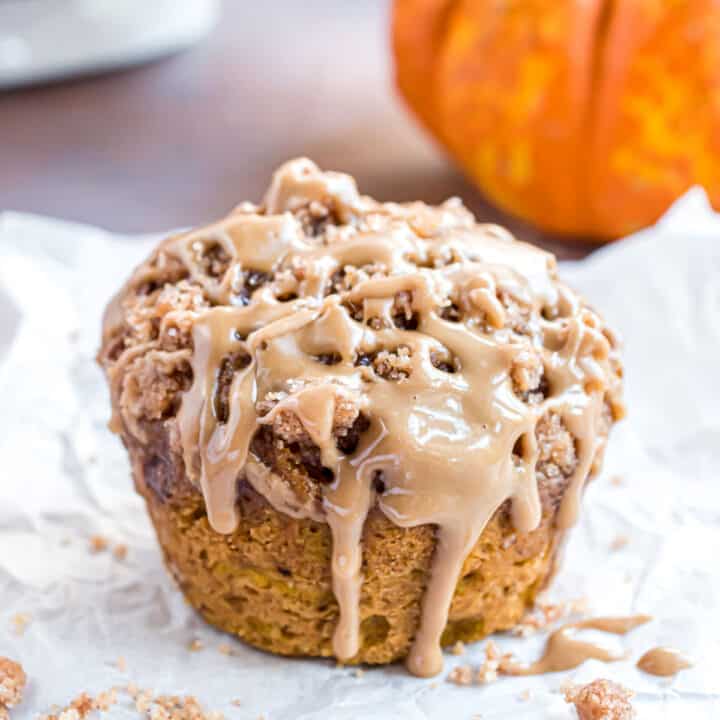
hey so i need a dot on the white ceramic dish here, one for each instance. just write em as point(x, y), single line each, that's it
point(42, 40)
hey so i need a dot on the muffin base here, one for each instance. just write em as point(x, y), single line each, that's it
point(269, 582)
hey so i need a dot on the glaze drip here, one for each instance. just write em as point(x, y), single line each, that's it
point(565, 651)
point(664, 662)
point(451, 340)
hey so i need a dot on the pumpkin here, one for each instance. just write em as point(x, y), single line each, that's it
point(585, 117)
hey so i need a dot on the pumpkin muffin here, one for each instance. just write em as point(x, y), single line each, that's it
point(361, 429)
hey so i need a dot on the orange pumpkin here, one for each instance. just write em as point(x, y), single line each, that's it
point(585, 117)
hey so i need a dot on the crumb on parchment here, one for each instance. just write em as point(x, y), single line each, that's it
point(174, 707)
point(545, 614)
point(12, 684)
point(486, 673)
point(601, 700)
point(619, 542)
point(98, 544)
point(20, 621)
point(148, 705)
point(83, 706)
point(120, 551)
point(461, 675)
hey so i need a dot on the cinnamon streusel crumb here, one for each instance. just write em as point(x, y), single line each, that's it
point(12, 684)
point(545, 614)
point(461, 675)
point(83, 705)
point(20, 621)
point(98, 544)
point(488, 671)
point(458, 648)
point(601, 700)
point(120, 551)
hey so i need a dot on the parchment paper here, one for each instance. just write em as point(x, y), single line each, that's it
point(64, 478)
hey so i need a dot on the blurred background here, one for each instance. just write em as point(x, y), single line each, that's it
point(585, 118)
point(180, 140)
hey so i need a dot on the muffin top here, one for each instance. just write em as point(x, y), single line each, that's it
point(405, 356)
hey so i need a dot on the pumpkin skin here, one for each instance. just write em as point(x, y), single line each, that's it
point(585, 117)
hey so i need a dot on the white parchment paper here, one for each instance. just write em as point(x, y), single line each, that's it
point(64, 478)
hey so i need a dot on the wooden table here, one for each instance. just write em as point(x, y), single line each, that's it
point(180, 141)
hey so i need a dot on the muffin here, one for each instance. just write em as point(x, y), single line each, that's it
point(361, 429)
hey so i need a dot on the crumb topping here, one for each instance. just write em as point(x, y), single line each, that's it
point(545, 614)
point(487, 672)
point(98, 544)
point(148, 337)
point(601, 700)
point(12, 684)
point(558, 456)
point(146, 703)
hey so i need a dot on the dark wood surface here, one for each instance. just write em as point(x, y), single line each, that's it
point(180, 141)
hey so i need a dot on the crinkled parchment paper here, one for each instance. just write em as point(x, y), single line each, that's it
point(65, 478)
